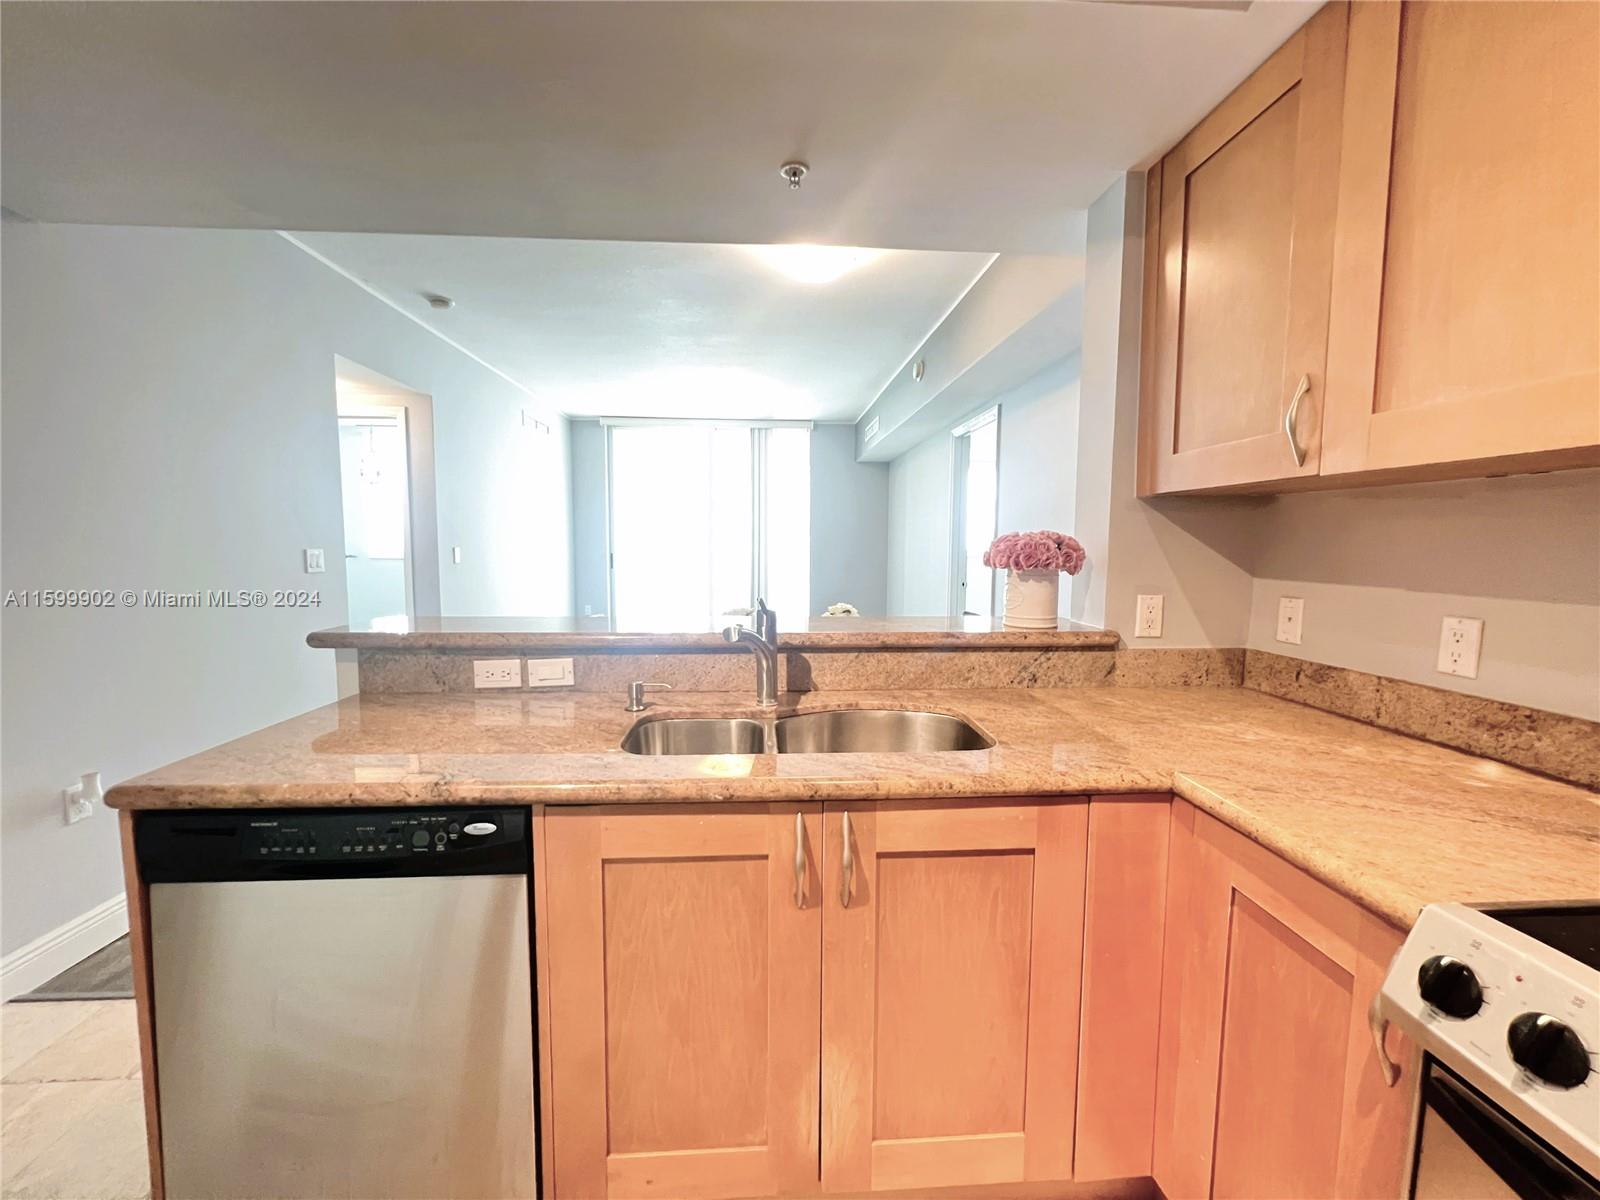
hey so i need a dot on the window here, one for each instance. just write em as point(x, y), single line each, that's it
point(705, 518)
point(973, 520)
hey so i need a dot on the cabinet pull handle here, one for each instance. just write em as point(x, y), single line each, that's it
point(1288, 420)
point(847, 863)
point(1379, 1025)
point(799, 860)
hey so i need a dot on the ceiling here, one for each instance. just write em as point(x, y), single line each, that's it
point(955, 126)
point(663, 329)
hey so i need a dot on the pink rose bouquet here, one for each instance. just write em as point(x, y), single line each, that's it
point(1041, 550)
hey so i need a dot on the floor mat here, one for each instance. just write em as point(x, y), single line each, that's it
point(107, 974)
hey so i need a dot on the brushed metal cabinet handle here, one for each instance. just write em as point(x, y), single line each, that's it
point(1379, 1026)
point(847, 863)
point(1288, 420)
point(799, 860)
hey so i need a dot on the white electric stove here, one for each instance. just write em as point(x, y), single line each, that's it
point(1504, 1002)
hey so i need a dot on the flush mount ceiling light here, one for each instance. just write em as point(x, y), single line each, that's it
point(815, 264)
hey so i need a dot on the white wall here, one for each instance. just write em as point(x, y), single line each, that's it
point(849, 524)
point(919, 529)
point(1380, 568)
point(169, 423)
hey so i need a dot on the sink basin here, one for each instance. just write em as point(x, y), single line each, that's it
point(696, 735)
point(839, 731)
point(876, 731)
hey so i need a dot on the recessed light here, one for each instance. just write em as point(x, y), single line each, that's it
point(437, 301)
point(815, 264)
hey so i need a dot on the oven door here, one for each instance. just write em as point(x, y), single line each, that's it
point(1467, 1149)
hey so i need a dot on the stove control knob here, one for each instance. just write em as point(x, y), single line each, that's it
point(1449, 985)
point(1543, 1046)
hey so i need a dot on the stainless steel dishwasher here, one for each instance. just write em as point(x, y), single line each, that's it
point(343, 1002)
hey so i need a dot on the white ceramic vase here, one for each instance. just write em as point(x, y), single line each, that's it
point(1032, 598)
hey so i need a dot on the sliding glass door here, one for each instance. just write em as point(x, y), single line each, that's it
point(704, 518)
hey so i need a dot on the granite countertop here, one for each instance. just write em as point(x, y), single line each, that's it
point(1392, 822)
point(501, 634)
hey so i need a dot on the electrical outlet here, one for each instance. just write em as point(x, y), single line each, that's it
point(550, 672)
point(78, 801)
point(1460, 643)
point(315, 565)
point(1148, 622)
point(1291, 617)
point(496, 672)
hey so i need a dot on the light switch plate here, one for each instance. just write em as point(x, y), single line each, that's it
point(1148, 621)
point(1291, 618)
point(455, 555)
point(496, 672)
point(1460, 643)
point(550, 672)
point(315, 563)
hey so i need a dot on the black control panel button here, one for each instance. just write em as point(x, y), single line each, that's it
point(1548, 1049)
point(1450, 986)
point(419, 839)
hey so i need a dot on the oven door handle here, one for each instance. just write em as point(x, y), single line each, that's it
point(1379, 1024)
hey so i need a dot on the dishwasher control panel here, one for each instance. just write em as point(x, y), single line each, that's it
point(359, 834)
point(296, 843)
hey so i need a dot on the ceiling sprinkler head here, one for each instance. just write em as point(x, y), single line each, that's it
point(437, 301)
point(794, 172)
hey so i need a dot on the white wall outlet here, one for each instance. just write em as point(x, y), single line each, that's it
point(455, 555)
point(550, 672)
point(315, 564)
point(1291, 618)
point(78, 801)
point(1148, 623)
point(496, 672)
point(1460, 642)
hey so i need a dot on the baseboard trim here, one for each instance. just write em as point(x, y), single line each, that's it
point(47, 956)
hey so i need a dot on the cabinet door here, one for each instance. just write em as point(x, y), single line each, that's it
point(684, 980)
point(1124, 917)
point(951, 957)
point(1270, 1084)
point(1466, 305)
point(1243, 226)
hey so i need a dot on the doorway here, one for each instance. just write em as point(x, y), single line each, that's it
point(975, 504)
point(376, 489)
point(386, 479)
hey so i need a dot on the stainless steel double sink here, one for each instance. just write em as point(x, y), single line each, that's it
point(837, 731)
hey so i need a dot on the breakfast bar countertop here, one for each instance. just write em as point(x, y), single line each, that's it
point(592, 634)
point(1390, 821)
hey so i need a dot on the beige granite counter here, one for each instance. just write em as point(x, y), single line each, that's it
point(595, 635)
point(1393, 822)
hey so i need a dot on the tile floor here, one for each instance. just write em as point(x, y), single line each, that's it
point(71, 1102)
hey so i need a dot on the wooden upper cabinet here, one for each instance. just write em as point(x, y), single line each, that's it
point(1466, 303)
point(952, 947)
point(1269, 1081)
point(685, 985)
point(1241, 219)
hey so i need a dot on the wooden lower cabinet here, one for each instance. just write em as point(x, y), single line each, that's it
point(902, 1018)
point(842, 999)
point(684, 960)
point(951, 952)
point(1269, 1083)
